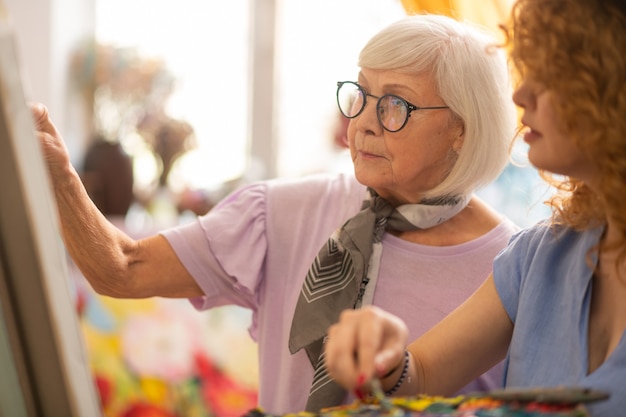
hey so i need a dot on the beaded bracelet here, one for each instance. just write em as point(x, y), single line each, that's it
point(405, 371)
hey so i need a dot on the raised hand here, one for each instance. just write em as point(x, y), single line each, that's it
point(54, 150)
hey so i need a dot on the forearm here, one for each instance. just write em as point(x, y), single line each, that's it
point(464, 345)
point(101, 251)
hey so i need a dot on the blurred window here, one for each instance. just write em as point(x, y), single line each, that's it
point(206, 46)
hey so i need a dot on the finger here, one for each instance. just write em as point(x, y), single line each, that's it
point(393, 343)
point(341, 350)
point(41, 119)
point(370, 340)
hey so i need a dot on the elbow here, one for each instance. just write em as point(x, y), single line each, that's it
point(117, 285)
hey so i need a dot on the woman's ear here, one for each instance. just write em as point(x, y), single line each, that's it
point(459, 139)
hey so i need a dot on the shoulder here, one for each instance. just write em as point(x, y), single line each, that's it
point(546, 249)
point(316, 201)
point(316, 189)
point(317, 183)
point(555, 238)
point(533, 235)
point(297, 189)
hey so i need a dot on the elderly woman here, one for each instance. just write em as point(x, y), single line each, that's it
point(431, 121)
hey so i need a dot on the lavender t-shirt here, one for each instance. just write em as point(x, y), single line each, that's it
point(255, 247)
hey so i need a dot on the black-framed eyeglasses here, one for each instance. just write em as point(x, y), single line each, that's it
point(393, 111)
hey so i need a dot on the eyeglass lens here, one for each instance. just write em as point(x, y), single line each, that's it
point(392, 111)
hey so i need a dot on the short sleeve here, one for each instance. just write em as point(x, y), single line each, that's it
point(528, 250)
point(507, 273)
point(225, 249)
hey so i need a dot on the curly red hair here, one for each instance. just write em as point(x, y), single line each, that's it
point(577, 49)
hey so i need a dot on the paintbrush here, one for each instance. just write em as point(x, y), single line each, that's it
point(377, 392)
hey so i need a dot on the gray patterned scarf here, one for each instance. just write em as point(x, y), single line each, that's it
point(344, 276)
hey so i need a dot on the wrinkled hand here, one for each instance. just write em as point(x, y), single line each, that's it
point(54, 150)
point(365, 343)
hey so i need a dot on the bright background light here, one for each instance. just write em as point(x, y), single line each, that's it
point(206, 46)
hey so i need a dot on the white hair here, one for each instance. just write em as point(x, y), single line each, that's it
point(471, 76)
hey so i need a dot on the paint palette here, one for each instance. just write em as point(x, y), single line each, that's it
point(534, 402)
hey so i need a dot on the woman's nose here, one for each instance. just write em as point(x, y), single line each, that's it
point(521, 95)
point(368, 119)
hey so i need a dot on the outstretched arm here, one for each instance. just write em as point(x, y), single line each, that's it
point(370, 343)
point(113, 263)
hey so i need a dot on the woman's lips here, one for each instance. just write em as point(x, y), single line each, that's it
point(531, 136)
point(365, 154)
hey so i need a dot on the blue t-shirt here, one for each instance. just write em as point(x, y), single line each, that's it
point(544, 281)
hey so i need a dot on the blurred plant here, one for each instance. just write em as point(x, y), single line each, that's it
point(125, 95)
point(168, 138)
point(118, 86)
